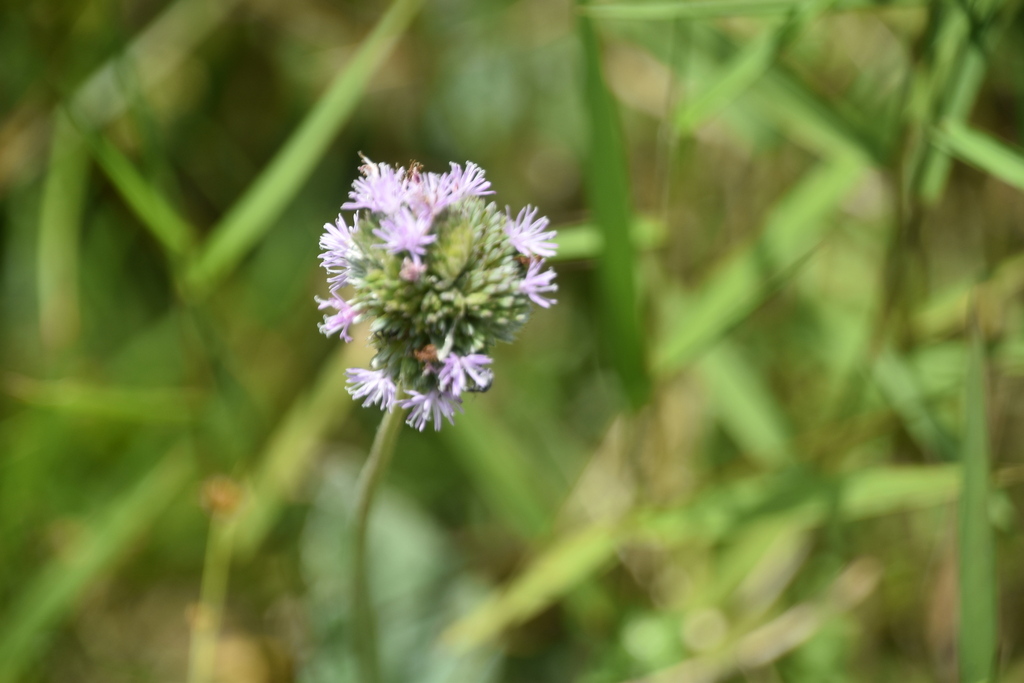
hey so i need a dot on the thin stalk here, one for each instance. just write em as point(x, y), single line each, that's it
point(208, 617)
point(362, 606)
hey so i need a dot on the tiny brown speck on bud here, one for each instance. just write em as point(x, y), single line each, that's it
point(220, 495)
point(428, 354)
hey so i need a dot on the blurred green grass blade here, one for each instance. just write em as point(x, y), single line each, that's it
point(982, 151)
point(745, 405)
point(269, 195)
point(978, 590)
point(903, 391)
point(720, 9)
point(505, 476)
point(154, 54)
point(793, 228)
point(547, 578)
point(946, 311)
point(827, 126)
point(579, 242)
point(59, 217)
point(736, 77)
point(585, 240)
point(291, 448)
point(118, 403)
point(715, 516)
point(970, 34)
point(607, 187)
point(752, 551)
point(801, 501)
point(695, 9)
point(54, 591)
point(173, 232)
point(745, 68)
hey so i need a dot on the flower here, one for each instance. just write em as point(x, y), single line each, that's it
point(526, 234)
point(338, 246)
point(433, 404)
point(442, 274)
point(405, 232)
point(375, 385)
point(341, 320)
point(382, 189)
point(456, 369)
point(536, 282)
point(468, 183)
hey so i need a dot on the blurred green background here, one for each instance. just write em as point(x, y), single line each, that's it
point(769, 433)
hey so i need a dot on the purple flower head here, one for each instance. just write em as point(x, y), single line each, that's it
point(425, 258)
point(374, 385)
point(382, 189)
point(338, 247)
point(456, 368)
point(527, 235)
point(433, 404)
point(405, 231)
point(340, 321)
point(536, 282)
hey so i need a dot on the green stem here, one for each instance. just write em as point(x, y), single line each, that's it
point(207, 620)
point(365, 631)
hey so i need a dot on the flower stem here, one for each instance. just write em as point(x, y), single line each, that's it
point(365, 631)
point(209, 612)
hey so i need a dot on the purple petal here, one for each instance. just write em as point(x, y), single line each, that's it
point(430, 194)
point(535, 283)
point(382, 188)
point(341, 320)
point(527, 235)
point(434, 405)
point(469, 182)
point(456, 368)
point(338, 248)
point(376, 386)
point(405, 232)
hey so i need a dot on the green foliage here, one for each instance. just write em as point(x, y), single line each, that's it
point(769, 432)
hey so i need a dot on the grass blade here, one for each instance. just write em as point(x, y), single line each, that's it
point(721, 9)
point(107, 402)
point(55, 590)
point(585, 241)
point(792, 230)
point(501, 469)
point(57, 256)
point(826, 126)
point(547, 578)
point(746, 406)
point(746, 67)
point(982, 151)
point(715, 516)
point(157, 51)
point(978, 589)
point(955, 94)
point(903, 391)
point(173, 232)
point(608, 196)
point(269, 195)
point(290, 450)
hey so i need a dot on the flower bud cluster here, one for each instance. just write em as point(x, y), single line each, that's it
point(443, 275)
